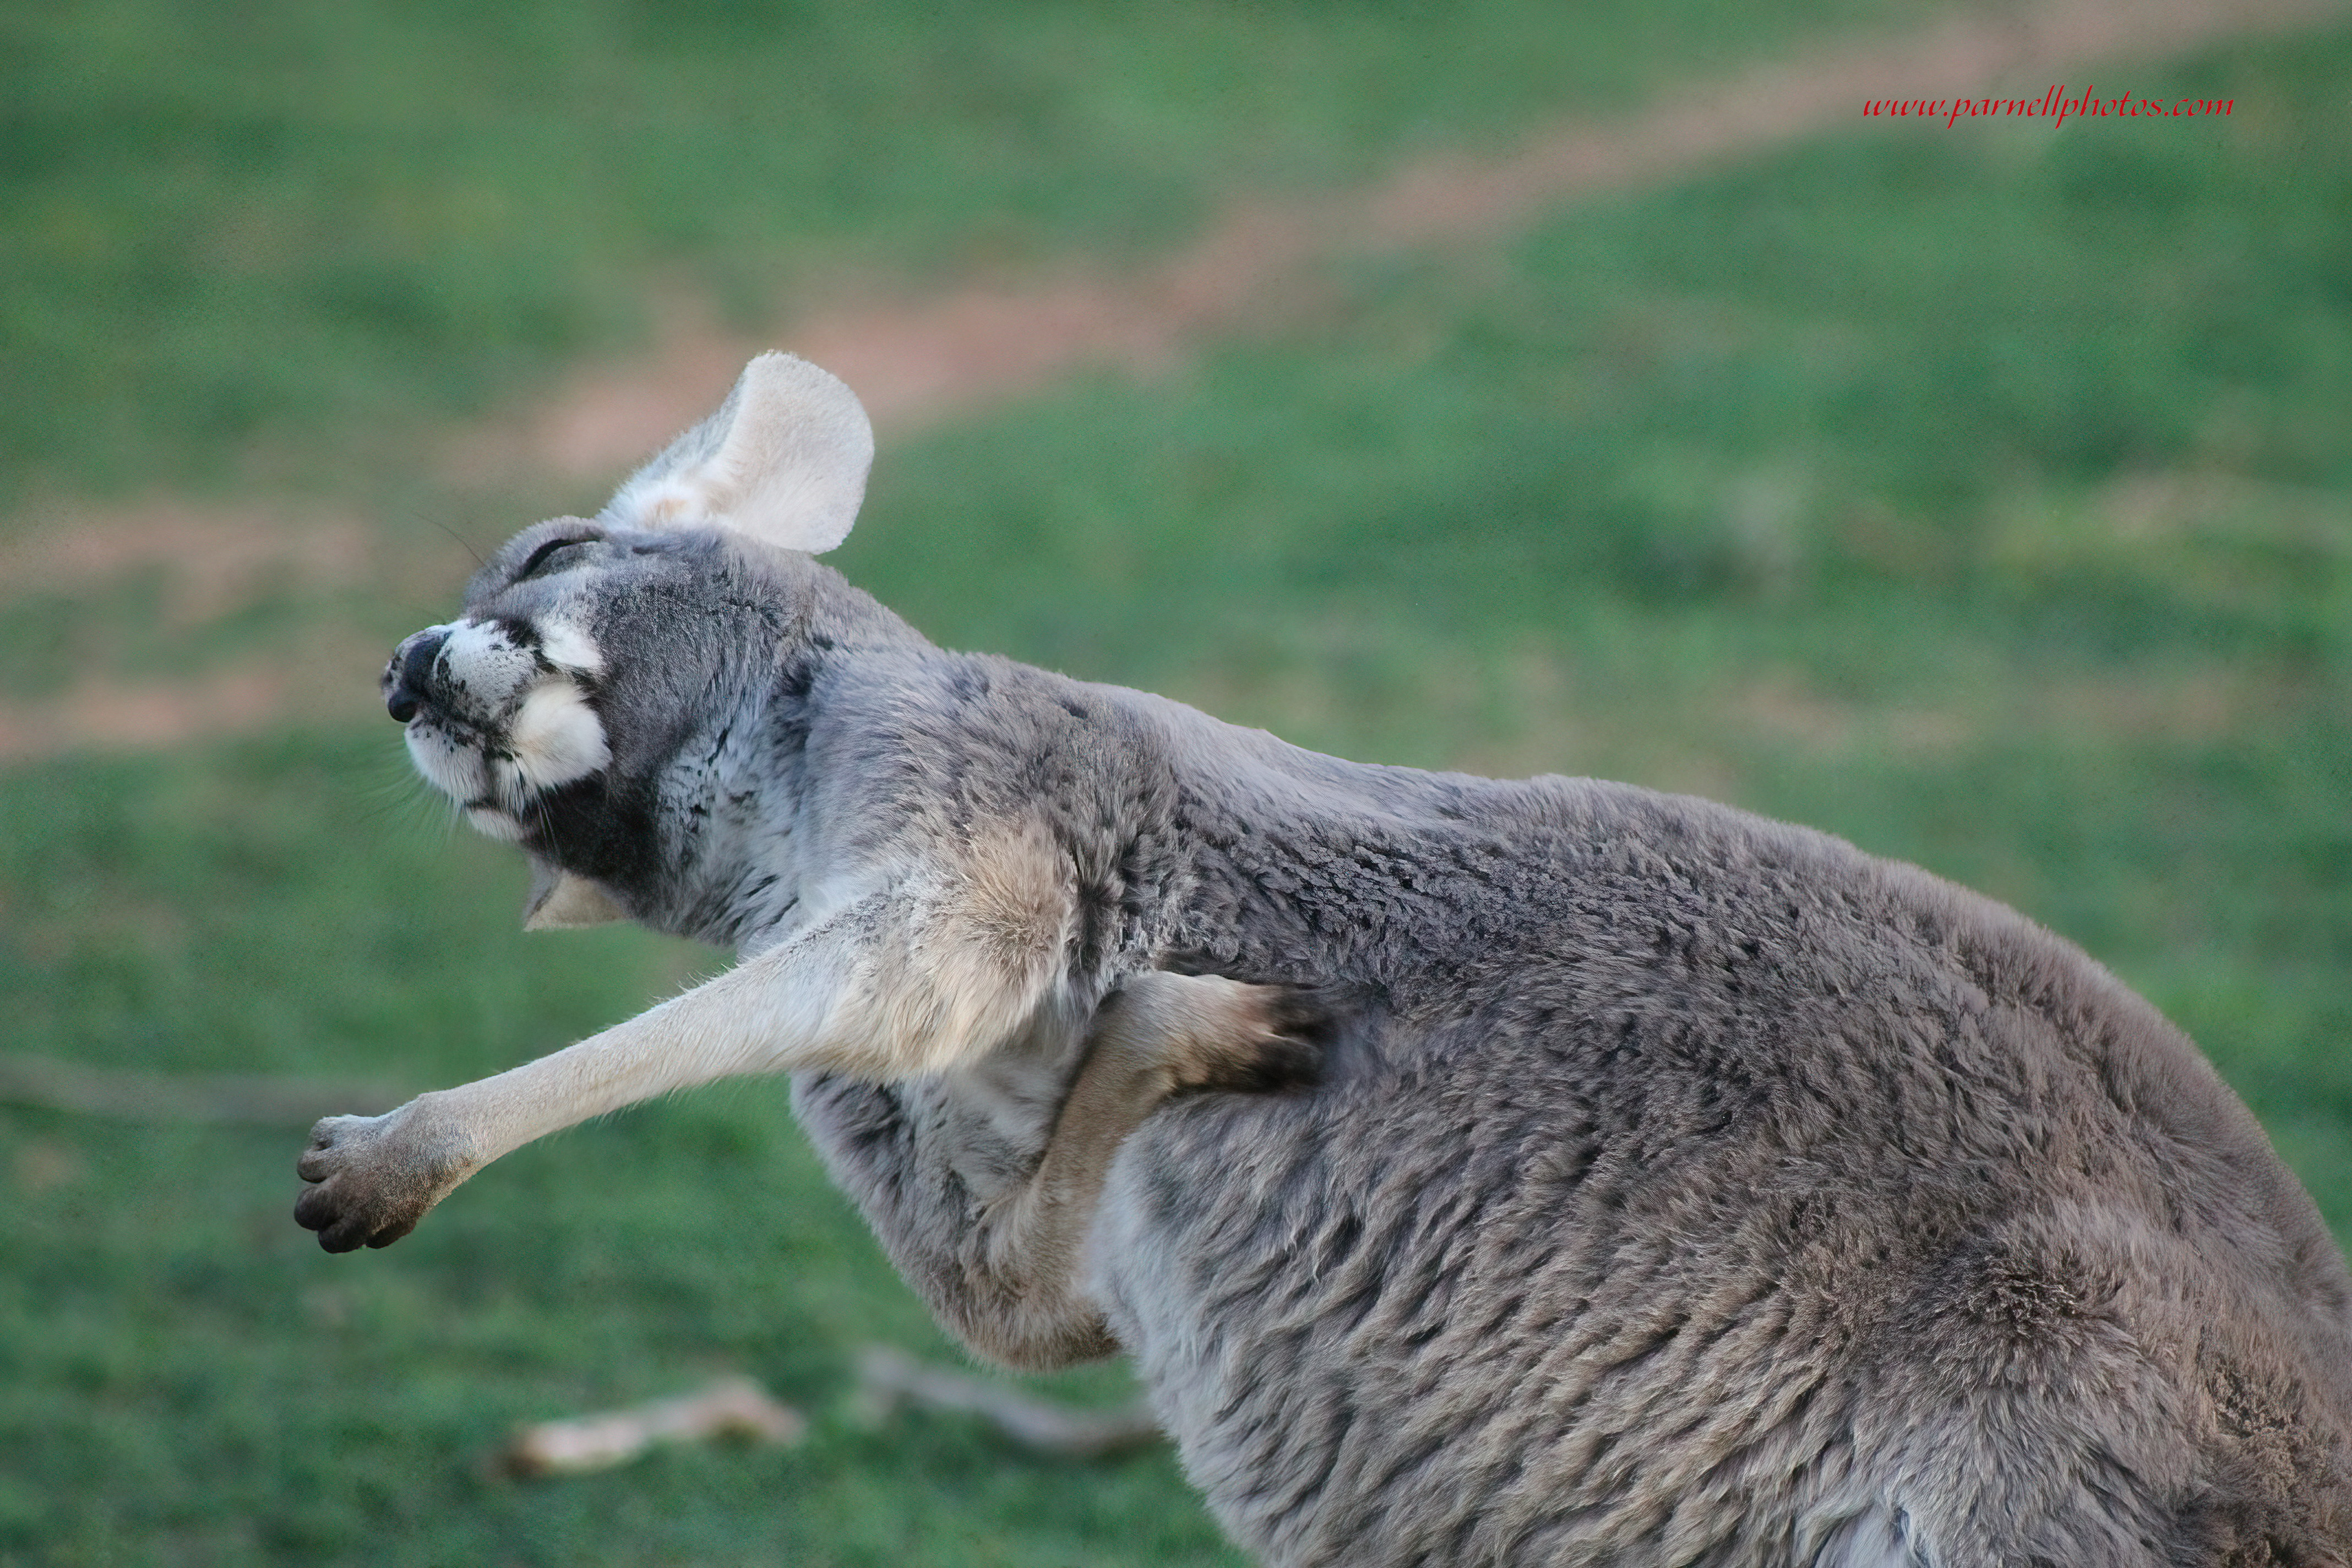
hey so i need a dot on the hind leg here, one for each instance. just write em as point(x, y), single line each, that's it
point(1001, 1261)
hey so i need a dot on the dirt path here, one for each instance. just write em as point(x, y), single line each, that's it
point(917, 359)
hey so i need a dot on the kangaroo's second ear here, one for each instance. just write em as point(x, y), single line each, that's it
point(784, 460)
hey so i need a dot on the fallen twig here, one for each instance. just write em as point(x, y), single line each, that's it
point(185, 1096)
point(732, 1407)
point(888, 1377)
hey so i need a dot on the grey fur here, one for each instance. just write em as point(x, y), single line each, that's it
point(1685, 1188)
point(1679, 1187)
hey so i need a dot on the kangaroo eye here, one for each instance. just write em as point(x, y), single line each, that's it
point(545, 554)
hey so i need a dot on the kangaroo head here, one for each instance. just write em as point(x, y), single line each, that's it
point(589, 649)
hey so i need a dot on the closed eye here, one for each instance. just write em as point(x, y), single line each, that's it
point(546, 553)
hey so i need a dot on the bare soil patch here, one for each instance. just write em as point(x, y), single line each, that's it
point(328, 680)
point(917, 358)
point(212, 558)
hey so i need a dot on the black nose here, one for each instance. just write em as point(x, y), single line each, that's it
point(405, 676)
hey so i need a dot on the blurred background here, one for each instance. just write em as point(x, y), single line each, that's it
point(1503, 386)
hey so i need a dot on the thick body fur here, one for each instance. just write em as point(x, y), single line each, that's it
point(1682, 1188)
point(1673, 1187)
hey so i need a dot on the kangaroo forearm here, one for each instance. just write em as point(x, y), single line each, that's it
point(853, 995)
point(714, 1032)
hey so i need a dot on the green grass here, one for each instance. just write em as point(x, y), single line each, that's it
point(1983, 497)
point(318, 228)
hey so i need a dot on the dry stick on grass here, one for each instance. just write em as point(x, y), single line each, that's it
point(886, 1378)
point(732, 1407)
point(187, 1096)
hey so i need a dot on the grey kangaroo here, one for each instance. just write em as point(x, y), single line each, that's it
point(1478, 1173)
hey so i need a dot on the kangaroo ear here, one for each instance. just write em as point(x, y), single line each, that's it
point(784, 460)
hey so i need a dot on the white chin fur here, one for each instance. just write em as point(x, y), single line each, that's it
point(494, 824)
point(455, 771)
point(555, 737)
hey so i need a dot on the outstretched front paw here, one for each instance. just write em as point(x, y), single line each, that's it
point(373, 1177)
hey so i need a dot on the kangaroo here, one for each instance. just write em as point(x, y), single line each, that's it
point(1543, 1172)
